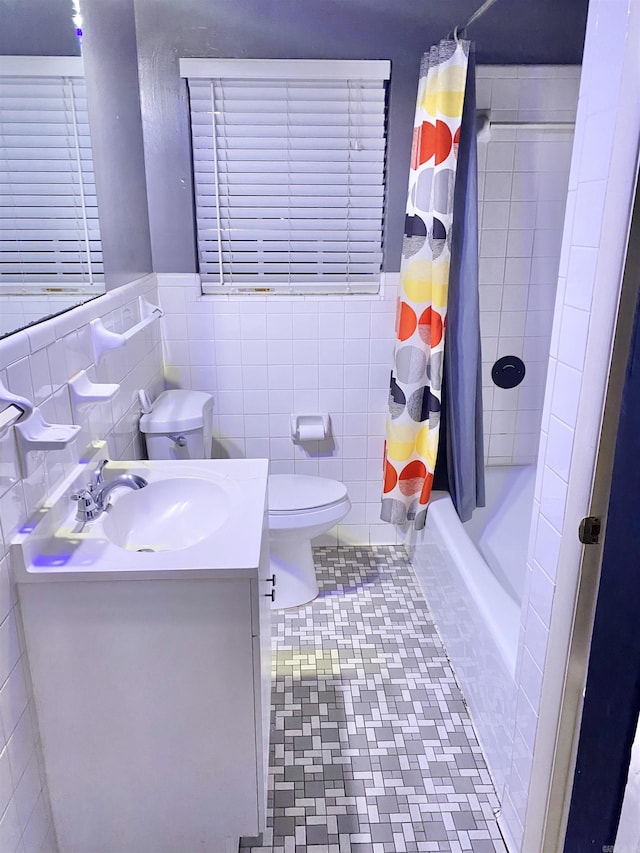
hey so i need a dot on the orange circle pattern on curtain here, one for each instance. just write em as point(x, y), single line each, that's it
point(415, 395)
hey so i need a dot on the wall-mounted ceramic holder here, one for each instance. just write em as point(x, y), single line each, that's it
point(83, 391)
point(35, 434)
point(103, 339)
point(314, 427)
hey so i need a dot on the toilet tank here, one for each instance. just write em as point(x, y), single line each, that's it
point(179, 425)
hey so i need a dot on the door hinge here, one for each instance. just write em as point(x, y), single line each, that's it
point(589, 530)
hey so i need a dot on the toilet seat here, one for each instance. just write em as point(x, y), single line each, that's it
point(294, 522)
point(293, 493)
point(298, 501)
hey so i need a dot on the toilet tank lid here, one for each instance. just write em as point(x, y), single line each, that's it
point(289, 492)
point(176, 410)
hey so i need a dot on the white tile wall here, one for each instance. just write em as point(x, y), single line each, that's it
point(593, 249)
point(40, 360)
point(265, 357)
point(522, 179)
point(18, 311)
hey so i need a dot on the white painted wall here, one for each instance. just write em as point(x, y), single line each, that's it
point(601, 186)
point(37, 363)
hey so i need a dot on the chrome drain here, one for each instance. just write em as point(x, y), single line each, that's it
point(146, 550)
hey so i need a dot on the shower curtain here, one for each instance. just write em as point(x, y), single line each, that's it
point(438, 298)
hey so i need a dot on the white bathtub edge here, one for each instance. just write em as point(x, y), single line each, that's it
point(465, 554)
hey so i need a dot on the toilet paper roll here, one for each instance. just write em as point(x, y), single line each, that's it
point(311, 432)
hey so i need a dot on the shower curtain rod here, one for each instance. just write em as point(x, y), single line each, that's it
point(477, 14)
point(480, 12)
point(534, 125)
point(484, 123)
point(484, 119)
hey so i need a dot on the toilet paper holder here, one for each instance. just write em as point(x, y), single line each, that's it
point(313, 427)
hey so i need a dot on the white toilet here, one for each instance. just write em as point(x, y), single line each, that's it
point(300, 508)
point(179, 426)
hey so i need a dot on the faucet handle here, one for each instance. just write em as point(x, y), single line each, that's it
point(87, 507)
point(98, 476)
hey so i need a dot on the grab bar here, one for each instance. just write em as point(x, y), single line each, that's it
point(103, 339)
point(18, 409)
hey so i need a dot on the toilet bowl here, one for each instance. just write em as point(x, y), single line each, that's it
point(300, 508)
point(179, 426)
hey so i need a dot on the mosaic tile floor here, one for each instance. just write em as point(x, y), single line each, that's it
point(372, 749)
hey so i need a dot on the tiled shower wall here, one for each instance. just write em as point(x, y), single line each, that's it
point(37, 363)
point(522, 183)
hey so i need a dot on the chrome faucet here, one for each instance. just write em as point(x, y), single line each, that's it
point(97, 478)
point(94, 500)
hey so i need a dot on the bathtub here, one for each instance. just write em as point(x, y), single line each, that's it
point(473, 576)
point(490, 550)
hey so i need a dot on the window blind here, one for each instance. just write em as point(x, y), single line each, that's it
point(49, 232)
point(289, 172)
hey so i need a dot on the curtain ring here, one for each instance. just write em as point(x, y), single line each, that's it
point(455, 35)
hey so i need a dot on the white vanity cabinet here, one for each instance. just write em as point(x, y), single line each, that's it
point(153, 692)
point(150, 704)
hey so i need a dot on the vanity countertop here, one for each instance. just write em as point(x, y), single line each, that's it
point(53, 546)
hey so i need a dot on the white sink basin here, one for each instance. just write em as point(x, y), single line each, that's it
point(194, 518)
point(167, 515)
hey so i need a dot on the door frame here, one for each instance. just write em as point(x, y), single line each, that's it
point(573, 704)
